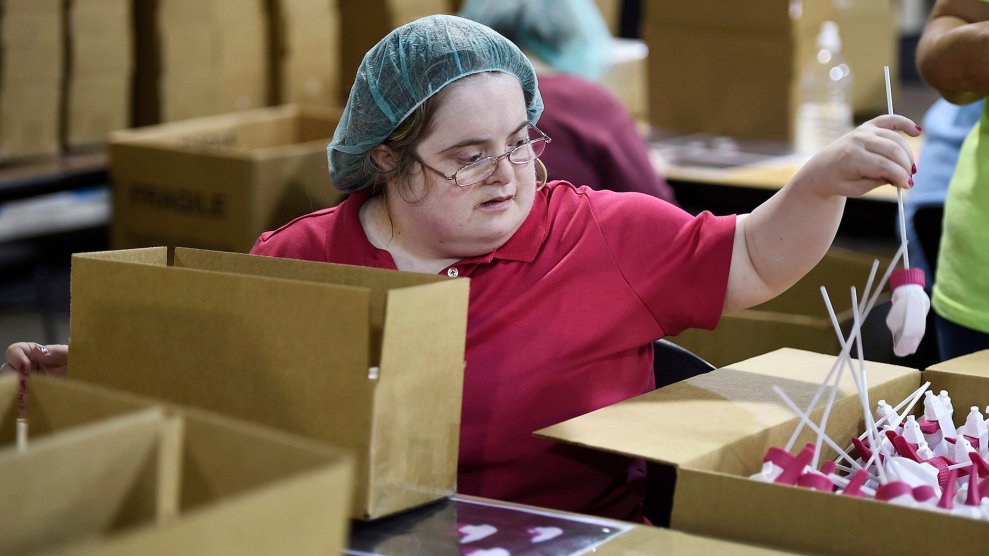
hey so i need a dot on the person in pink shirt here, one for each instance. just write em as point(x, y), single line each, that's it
point(438, 148)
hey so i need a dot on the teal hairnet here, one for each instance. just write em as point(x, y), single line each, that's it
point(408, 66)
point(568, 35)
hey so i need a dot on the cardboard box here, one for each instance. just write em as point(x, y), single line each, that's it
point(306, 52)
point(717, 427)
point(31, 64)
point(797, 318)
point(199, 57)
point(219, 182)
point(163, 480)
point(626, 76)
point(100, 69)
point(371, 360)
point(365, 22)
point(734, 69)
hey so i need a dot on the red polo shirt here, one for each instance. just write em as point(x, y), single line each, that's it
point(560, 322)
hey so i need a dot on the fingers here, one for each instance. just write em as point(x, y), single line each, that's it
point(896, 122)
point(17, 357)
point(893, 159)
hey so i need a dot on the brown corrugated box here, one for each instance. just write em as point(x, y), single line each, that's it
point(306, 52)
point(796, 318)
point(31, 61)
point(100, 71)
point(715, 429)
point(734, 68)
point(105, 472)
point(371, 360)
point(199, 57)
point(218, 182)
point(365, 22)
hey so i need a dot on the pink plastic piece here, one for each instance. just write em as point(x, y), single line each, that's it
point(792, 472)
point(778, 456)
point(828, 467)
point(854, 487)
point(979, 464)
point(928, 427)
point(815, 481)
point(973, 498)
point(864, 452)
point(903, 276)
point(924, 493)
point(894, 489)
point(904, 448)
point(948, 491)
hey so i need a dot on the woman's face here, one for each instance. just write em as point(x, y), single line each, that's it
point(477, 116)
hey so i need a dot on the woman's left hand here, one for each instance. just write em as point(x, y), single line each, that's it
point(869, 156)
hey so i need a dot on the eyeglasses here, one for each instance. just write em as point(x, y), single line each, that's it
point(480, 170)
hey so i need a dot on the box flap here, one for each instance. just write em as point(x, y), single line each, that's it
point(690, 421)
point(965, 378)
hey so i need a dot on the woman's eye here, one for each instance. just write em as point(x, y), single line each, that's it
point(468, 158)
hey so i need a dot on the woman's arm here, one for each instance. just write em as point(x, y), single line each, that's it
point(783, 238)
point(953, 53)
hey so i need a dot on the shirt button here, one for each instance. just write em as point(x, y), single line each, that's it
point(452, 272)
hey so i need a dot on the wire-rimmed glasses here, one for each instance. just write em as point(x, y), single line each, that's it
point(480, 170)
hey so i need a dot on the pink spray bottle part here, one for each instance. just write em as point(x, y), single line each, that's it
point(979, 464)
point(854, 487)
point(894, 490)
point(948, 491)
point(907, 318)
point(792, 472)
point(973, 498)
point(864, 452)
point(924, 493)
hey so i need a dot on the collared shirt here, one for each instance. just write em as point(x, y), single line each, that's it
point(560, 322)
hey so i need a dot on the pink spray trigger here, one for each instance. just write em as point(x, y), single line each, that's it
point(907, 318)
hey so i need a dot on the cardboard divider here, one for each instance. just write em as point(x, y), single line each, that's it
point(289, 344)
point(162, 479)
point(52, 505)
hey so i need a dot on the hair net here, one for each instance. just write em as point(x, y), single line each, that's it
point(408, 66)
point(568, 35)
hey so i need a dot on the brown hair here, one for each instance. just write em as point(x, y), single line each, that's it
point(403, 142)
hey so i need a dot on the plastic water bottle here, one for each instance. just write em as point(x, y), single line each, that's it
point(825, 110)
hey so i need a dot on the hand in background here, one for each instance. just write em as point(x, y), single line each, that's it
point(36, 358)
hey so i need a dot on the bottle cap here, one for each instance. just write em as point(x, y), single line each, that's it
point(903, 276)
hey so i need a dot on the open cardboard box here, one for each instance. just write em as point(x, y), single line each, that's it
point(218, 182)
point(368, 359)
point(797, 317)
point(164, 480)
point(715, 429)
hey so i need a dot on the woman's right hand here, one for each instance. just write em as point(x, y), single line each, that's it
point(32, 357)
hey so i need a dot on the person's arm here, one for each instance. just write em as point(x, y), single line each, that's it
point(953, 53)
point(32, 357)
point(785, 237)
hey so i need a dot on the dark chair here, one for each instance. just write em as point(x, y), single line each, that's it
point(671, 364)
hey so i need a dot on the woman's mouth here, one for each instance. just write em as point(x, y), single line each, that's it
point(497, 203)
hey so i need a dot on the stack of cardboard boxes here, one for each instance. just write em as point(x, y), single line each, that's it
point(734, 69)
point(31, 60)
point(306, 39)
point(200, 57)
point(100, 71)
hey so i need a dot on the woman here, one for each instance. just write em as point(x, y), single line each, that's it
point(951, 56)
point(569, 286)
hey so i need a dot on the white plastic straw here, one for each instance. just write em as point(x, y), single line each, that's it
point(803, 418)
point(899, 192)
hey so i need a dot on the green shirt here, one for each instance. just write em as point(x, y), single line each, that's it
point(961, 291)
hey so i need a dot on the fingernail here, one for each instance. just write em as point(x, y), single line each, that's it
point(24, 368)
point(910, 181)
point(919, 128)
point(913, 169)
point(43, 349)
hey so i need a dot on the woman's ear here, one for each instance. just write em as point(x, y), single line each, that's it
point(384, 157)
